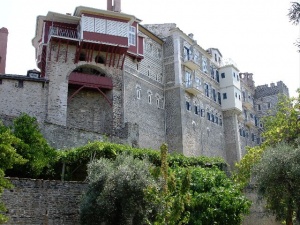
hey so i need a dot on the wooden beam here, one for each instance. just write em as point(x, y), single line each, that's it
point(104, 95)
point(75, 93)
point(58, 50)
point(66, 56)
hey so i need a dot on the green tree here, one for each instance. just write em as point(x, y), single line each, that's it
point(8, 158)
point(33, 147)
point(215, 199)
point(115, 194)
point(294, 16)
point(281, 126)
point(277, 179)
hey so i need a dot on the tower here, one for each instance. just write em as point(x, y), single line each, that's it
point(3, 49)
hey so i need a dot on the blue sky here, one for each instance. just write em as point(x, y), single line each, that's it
point(256, 34)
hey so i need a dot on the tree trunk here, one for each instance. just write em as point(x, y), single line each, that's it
point(289, 216)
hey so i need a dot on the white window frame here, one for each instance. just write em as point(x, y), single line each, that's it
point(132, 36)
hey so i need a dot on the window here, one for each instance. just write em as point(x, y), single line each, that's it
point(269, 105)
point(252, 137)
point(219, 98)
point(239, 97)
point(237, 77)
point(241, 132)
point(256, 121)
point(202, 113)
point(212, 72)
point(244, 133)
point(214, 95)
point(258, 107)
point(216, 57)
point(188, 78)
point(216, 119)
point(188, 105)
point(208, 116)
point(187, 53)
point(0, 81)
point(20, 84)
point(235, 94)
point(244, 96)
point(217, 76)
point(138, 93)
point(149, 99)
point(212, 118)
point(223, 75)
point(132, 35)
point(157, 102)
point(198, 83)
point(258, 140)
point(221, 122)
point(224, 95)
point(197, 109)
point(204, 65)
point(233, 74)
point(206, 88)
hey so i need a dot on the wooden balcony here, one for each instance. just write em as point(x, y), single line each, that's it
point(64, 33)
point(91, 81)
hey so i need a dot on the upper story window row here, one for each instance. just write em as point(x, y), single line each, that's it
point(110, 27)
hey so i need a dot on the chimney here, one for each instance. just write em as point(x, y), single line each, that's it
point(109, 5)
point(3, 49)
point(116, 7)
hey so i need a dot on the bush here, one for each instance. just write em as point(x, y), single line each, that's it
point(116, 192)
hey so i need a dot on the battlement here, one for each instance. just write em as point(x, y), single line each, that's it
point(272, 89)
point(247, 79)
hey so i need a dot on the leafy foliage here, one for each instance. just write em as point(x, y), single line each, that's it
point(33, 147)
point(283, 126)
point(277, 178)
point(76, 159)
point(215, 199)
point(116, 192)
point(8, 158)
point(294, 16)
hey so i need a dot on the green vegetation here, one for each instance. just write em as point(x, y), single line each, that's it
point(274, 166)
point(281, 127)
point(140, 186)
point(277, 178)
point(8, 158)
point(168, 195)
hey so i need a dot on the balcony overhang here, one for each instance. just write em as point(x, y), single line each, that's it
point(92, 81)
point(191, 64)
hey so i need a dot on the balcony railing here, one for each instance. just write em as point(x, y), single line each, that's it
point(193, 87)
point(63, 32)
point(191, 61)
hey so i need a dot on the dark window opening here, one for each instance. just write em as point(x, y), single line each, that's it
point(20, 84)
point(0, 81)
point(216, 120)
point(214, 95)
point(188, 106)
point(224, 96)
point(82, 57)
point(223, 75)
point(208, 116)
point(88, 70)
point(212, 119)
point(99, 59)
point(219, 98)
point(258, 107)
point(221, 122)
point(217, 76)
point(197, 110)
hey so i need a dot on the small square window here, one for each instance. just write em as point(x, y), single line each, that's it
point(223, 75)
point(224, 95)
